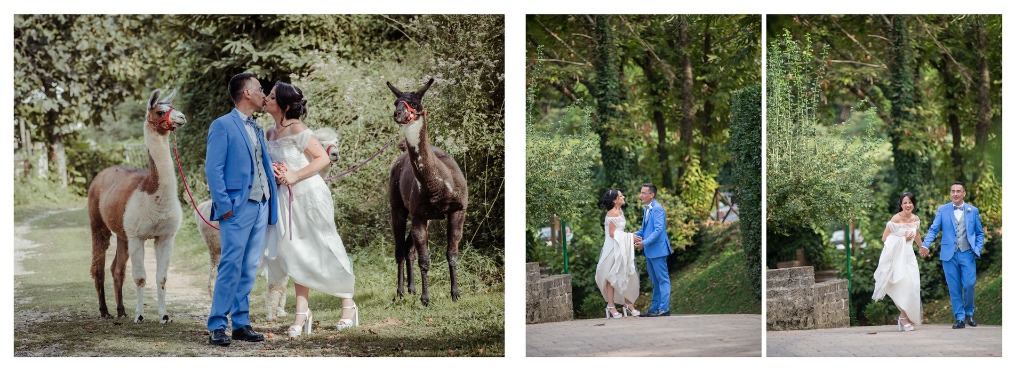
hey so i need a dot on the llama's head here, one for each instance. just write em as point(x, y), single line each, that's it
point(161, 117)
point(407, 104)
point(329, 140)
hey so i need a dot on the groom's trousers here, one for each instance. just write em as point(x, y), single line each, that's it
point(657, 269)
point(960, 278)
point(242, 239)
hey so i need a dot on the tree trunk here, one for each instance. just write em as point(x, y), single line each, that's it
point(687, 103)
point(60, 158)
point(618, 166)
point(984, 89)
point(708, 90)
point(656, 89)
point(909, 169)
point(951, 85)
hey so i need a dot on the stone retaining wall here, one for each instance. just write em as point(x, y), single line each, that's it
point(548, 298)
point(795, 302)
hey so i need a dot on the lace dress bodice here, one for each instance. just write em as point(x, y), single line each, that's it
point(902, 228)
point(291, 151)
point(620, 223)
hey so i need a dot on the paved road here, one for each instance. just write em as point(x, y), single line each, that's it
point(721, 335)
point(884, 341)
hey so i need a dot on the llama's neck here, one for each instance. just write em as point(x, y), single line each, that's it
point(420, 151)
point(161, 166)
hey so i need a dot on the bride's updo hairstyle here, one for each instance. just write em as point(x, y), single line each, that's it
point(289, 98)
point(899, 203)
point(608, 201)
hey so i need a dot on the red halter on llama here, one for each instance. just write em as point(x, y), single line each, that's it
point(137, 205)
point(425, 184)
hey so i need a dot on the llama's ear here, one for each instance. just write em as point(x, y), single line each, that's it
point(421, 91)
point(170, 96)
point(397, 92)
point(154, 98)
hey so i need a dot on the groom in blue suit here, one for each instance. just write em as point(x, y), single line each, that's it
point(962, 241)
point(654, 241)
point(241, 179)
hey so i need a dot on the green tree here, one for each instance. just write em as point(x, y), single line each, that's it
point(814, 177)
point(71, 70)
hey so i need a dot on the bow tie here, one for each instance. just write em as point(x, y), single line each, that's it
point(961, 208)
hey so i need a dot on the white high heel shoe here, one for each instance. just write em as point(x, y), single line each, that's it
point(611, 312)
point(296, 330)
point(901, 327)
point(630, 312)
point(345, 323)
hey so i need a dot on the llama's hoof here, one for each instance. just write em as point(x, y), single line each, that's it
point(139, 318)
point(105, 315)
point(425, 300)
point(455, 295)
point(165, 319)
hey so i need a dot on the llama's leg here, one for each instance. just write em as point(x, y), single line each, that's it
point(455, 221)
point(419, 236)
point(398, 221)
point(410, 258)
point(214, 245)
point(164, 245)
point(137, 253)
point(100, 243)
point(117, 271)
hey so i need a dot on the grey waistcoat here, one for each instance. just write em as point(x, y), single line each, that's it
point(260, 187)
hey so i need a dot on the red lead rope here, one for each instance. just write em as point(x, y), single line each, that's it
point(183, 182)
point(291, 195)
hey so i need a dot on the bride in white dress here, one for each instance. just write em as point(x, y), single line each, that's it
point(897, 274)
point(304, 244)
point(616, 269)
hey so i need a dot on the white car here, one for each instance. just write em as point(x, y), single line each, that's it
point(839, 239)
point(545, 232)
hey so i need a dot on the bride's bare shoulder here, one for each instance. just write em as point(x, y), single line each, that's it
point(895, 218)
point(613, 213)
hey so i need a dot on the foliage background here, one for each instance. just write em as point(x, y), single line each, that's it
point(864, 107)
point(614, 101)
point(82, 80)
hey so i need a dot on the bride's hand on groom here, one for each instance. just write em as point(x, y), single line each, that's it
point(924, 251)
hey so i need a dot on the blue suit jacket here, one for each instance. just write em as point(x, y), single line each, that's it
point(230, 169)
point(654, 236)
point(945, 220)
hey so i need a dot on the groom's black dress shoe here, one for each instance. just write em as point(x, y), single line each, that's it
point(245, 333)
point(648, 314)
point(958, 325)
point(970, 320)
point(663, 313)
point(219, 337)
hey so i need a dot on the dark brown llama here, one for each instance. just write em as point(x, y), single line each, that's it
point(425, 184)
point(137, 205)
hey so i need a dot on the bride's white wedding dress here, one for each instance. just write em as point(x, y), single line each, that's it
point(616, 264)
point(897, 274)
point(314, 255)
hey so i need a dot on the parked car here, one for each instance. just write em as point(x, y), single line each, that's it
point(545, 233)
point(839, 239)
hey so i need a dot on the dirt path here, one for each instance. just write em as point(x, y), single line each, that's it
point(184, 289)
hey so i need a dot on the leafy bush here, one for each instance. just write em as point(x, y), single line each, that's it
point(745, 145)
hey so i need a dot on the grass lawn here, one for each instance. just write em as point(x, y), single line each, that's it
point(717, 282)
point(988, 301)
point(56, 311)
